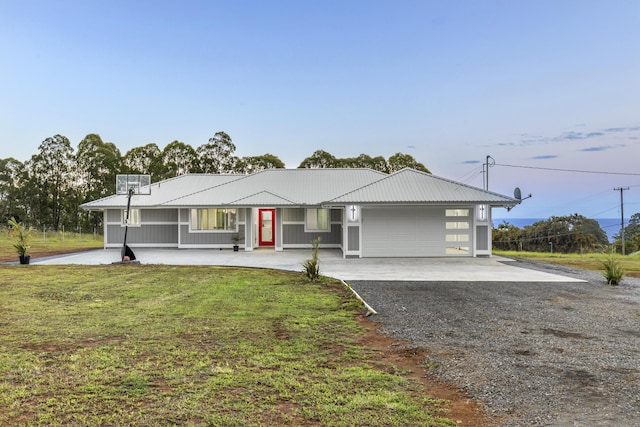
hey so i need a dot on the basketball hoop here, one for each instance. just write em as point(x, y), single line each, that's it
point(129, 185)
point(140, 184)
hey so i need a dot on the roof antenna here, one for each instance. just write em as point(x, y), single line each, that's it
point(517, 194)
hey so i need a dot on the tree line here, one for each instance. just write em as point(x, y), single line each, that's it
point(631, 235)
point(564, 234)
point(47, 190)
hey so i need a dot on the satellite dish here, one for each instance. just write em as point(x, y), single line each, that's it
point(517, 194)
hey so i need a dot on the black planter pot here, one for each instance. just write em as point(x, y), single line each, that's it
point(25, 259)
point(235, 248)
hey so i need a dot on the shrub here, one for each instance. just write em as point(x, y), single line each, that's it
point(312, 266)
point(612, 270)
point(21, 236)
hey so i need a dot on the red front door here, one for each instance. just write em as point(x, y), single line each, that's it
point(266, 227)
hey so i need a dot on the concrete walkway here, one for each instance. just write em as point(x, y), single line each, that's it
point(494, 269)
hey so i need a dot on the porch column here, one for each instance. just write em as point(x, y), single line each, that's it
point(248, 229)
point(351, 229)
point(278, 233)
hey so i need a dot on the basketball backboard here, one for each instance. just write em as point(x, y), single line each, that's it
point(140, 184)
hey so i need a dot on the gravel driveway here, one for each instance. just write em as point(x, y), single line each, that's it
point(536, 354)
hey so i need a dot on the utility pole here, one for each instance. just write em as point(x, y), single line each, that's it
point(486, 170)
point(621, 189)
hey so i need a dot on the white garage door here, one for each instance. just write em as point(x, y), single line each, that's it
point(403, 232)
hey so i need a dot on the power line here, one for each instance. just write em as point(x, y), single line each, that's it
point(567, 170)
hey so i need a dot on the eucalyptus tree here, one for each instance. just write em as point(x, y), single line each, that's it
point(11, 171)
point(49, 180)
point(400, 161)
point(146, 159)
point(179, 158)
point(251, 164)
point(96, 165)
point(320, 159)
point(364, 161)
point(217, 156)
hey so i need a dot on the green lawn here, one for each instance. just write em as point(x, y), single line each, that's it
point(630, 264)
point(165, 345)
point(49, 243)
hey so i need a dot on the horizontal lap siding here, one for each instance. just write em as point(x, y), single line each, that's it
point(208, 238)
point(114, 215)
point(293, 215)
point(294, 234)
point(148, 234)
point(158, 227)
point(293, 229)
point(159, 215)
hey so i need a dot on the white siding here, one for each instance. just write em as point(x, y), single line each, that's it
point(403, 232)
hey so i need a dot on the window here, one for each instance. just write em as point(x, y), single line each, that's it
point(134, 217)
point(457, 238)
point(317, 220)
point(457, 212)
point(457, 225)
point(213, 219)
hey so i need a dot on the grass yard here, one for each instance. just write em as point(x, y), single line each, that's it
point(165, 345)
point(630, 264)
point(49, 243)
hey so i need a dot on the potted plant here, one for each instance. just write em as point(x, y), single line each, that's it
point(21, 236)
point(236, 239)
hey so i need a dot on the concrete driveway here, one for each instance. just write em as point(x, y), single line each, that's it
point(494, 269)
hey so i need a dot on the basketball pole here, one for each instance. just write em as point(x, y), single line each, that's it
point(126, 250)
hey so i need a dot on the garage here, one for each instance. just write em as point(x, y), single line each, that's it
point(403, 232)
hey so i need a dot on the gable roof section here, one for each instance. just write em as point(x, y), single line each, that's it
point(263, 198)
point(296, 187)
point(305, 187)
point(271, 187)
point(409, 186)
point(163, 191)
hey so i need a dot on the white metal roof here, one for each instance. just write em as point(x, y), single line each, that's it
point(162, 191)
point(303, 187)
point(409, 186)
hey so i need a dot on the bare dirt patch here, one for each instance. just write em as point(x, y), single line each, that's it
point(457, 405)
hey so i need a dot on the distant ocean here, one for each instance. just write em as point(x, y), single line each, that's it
point(610, 226)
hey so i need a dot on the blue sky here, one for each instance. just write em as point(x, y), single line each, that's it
point(543, 84)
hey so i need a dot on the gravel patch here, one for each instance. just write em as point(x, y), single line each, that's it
point(534, 354)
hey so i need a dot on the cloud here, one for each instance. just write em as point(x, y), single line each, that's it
point(622, 129)
point(411, 146)
point(601, 148)
point(544, 157)
point(471, 162)
point(528, 140)
point(573, 136)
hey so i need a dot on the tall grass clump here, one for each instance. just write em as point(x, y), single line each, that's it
point(312, 265)
point(613, 273)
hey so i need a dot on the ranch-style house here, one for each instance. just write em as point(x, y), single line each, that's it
point(362, 212)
